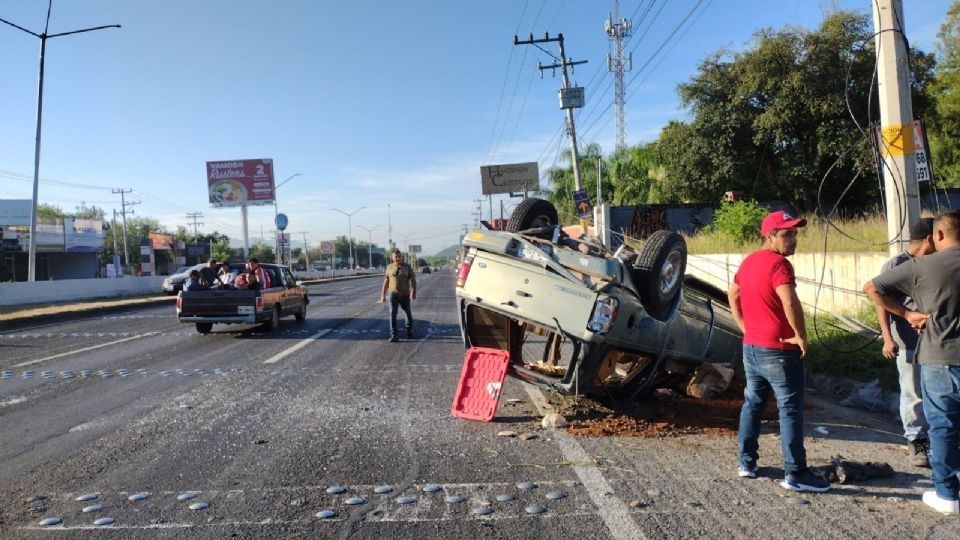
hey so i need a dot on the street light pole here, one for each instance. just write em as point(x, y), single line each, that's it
point(276, 235)
point(350, 232)
point(369, 243)
point(32, 261)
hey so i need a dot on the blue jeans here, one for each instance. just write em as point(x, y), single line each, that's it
point(941, 404)
point(911, 406)
point(782, 372)
point(403, 302)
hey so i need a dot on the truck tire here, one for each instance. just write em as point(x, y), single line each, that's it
point(274, 321)
point(532, 213)
point(204, 327)
point(659, 269)
point(301, 314)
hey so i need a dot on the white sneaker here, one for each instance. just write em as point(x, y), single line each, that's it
point(944, 506)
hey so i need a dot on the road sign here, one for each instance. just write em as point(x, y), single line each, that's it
point(581, 203)
point(326, 247)
point(281, 221)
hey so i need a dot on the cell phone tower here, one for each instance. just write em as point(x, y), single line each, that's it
point(618, 29)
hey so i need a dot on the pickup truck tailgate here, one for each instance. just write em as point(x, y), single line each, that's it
point(526, 290)
point(216, 303)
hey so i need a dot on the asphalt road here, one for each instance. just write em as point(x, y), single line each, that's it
point(259, 426)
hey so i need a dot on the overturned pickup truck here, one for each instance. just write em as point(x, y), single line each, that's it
point(578, 318)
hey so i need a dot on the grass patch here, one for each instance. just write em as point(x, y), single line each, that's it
point(837, 351)
point(862, 234)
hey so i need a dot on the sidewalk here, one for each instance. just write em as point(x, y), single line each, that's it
point(49, 310)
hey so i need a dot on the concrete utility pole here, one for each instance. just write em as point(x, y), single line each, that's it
point(116, 255)
point(306, 251)
point(194, 216)
point(570, 98)
point(124, 204)
point(896, 120)
point(619, 29)
point(32, 259)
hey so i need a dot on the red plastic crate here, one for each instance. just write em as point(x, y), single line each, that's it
point(481, 380)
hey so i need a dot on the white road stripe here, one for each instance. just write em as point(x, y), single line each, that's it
point(61, 355)
point(303, 343)
point(614, 512)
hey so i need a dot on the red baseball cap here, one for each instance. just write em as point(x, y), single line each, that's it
point(780, 220)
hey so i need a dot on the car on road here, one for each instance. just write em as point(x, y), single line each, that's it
point(425, 270)
point(579, 318)
point(174, 283)
point(285, 296)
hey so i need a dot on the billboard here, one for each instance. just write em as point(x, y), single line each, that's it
point(240, 182)
point(15, 212)
point(512, 178)
point(162, 241)
point(415, 248)
point(83, 235)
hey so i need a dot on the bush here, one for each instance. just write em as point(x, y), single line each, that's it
point(740, 220)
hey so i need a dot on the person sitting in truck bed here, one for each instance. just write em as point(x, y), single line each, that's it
point(263, 278)
point(226, 276)
point(208, 274)
point(194, 283)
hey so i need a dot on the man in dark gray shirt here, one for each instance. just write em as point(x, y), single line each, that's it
point(934, 284)
point(900, 343)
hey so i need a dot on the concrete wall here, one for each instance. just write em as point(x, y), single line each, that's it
point(21, 292)
point(839, 277)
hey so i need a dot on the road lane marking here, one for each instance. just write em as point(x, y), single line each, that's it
point(61, 355)
point(614, 512)
point(303, 343)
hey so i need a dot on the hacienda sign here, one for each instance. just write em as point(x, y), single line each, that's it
point(512, 178)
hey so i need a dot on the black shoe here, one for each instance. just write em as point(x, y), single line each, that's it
point(409, 333)
point(805, 481)
point(919, 449)
point(394, 339)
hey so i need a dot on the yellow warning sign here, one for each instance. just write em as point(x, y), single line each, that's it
point(897, 140)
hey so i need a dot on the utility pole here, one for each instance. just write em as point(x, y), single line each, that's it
point(896, 120)
point(123, 212)
point(194, 216)
point(118, 272)
point(306, 252)
point(570, 98)
point(32, 259)
point(619, 29)
point(478, 214)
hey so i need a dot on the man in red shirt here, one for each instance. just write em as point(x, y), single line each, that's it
point(764, 302)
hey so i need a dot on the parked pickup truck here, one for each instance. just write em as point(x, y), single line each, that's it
point(284, 297)
point(578, 318)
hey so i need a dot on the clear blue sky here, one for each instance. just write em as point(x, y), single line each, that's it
point(374, 102)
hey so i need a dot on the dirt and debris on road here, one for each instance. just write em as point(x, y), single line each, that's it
point(665, 414)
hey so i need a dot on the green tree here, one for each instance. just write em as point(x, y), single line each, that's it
point(773, 119)
point(945, 125)
point(560, 191)
point(49, 211)
point(262, 251)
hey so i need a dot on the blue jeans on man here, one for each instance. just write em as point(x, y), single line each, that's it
point(911, 404)
point(403, 302)
point(941, 405)
point(782, 372)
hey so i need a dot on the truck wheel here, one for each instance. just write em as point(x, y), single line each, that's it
point(204, 327)
point(274, 321)
point(532, 213)
point(659, 269)
point(301, 315)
